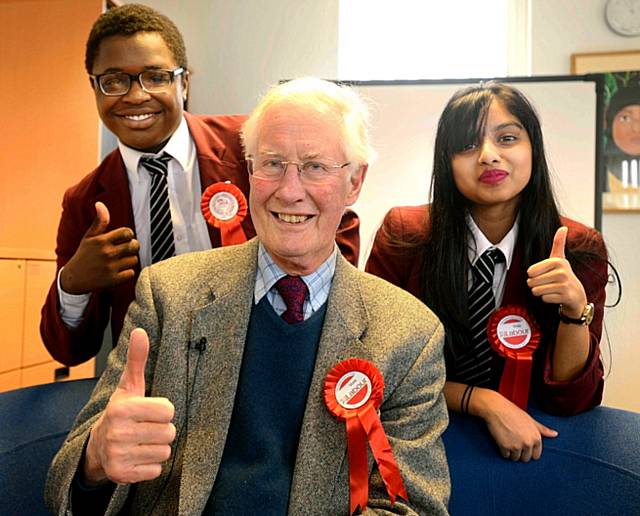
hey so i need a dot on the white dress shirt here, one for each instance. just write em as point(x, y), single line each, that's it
point(478, 244)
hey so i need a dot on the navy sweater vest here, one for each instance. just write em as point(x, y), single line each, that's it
point(260, 451)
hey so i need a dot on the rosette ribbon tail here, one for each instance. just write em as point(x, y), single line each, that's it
point(514, 384)
point(353, 392)
point(231, 233)
point(358, 467)
point(514, 334)
point(381, 449)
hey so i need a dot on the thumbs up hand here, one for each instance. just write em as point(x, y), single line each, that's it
point(103, 259)
point(554, 281)
point(131, 439)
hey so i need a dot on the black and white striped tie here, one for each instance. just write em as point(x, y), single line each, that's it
point(162, 245)
point(475, 367)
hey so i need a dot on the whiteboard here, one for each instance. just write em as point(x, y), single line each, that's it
point(404, 117)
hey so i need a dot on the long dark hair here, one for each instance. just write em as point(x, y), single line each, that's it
point(445, 262)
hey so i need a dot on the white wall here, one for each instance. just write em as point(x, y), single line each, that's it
point(620, 349)
point(560, 28)
point(238, 48)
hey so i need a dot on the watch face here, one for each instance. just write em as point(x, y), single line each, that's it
point(588, 313)
point(623, 16)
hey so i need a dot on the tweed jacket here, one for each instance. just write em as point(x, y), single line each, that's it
point(220, 158)
point(210, 295)
point(403, 267)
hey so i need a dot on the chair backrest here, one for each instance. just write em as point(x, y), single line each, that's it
point(592, 467)
point(33, 424)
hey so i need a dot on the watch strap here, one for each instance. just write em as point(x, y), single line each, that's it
point(584, 318)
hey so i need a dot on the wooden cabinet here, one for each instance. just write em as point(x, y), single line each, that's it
point(12, 281)
point(50, 140)
point(24, 361)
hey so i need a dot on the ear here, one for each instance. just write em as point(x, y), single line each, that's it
point(356, 181)
point(185, 85)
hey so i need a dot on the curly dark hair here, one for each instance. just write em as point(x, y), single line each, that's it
point(128, 20)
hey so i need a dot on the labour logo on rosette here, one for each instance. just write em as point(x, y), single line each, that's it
point(514, 334)
point(353, 390)
point(224, 206)
point(353, 393)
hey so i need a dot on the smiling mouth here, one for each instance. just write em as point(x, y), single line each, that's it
point(138, 118)
point(292, 219)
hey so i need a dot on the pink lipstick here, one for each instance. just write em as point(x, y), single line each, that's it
point(492, 177)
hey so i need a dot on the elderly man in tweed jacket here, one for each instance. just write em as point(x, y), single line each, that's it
point(212, 402)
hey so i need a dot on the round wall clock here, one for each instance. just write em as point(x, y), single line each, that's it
point(623, 16)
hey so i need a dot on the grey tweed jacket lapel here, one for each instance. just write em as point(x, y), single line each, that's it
point(223, 322)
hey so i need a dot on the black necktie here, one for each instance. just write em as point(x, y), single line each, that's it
point(162, 245)
point(476, 365)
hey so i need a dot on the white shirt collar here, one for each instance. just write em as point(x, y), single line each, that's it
point(180, 147)
point(482, 243)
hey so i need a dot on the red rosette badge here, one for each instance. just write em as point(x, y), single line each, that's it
point(514, 334)
point(353, 393)
point(224, 206)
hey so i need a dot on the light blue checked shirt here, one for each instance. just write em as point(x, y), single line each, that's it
point(318, 282)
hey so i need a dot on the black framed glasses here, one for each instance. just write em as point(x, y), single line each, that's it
point(114, 84)
point(310, 171)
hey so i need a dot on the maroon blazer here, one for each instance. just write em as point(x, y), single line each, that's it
point(220, 158)
point(402, 266)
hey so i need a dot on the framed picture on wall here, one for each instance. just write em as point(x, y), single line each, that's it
point(621, 130)
point(601, 62)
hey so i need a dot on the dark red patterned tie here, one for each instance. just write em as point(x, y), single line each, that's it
point(293, 291)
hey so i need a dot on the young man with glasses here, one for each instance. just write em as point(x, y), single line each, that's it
point(142, 203)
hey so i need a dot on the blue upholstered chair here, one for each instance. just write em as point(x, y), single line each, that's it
point(33, 423)
point(591, 468)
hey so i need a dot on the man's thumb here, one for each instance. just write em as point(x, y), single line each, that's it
point(100, 223)
point(132, 379)
point(559, 241)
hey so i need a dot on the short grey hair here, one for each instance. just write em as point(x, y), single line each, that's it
point(327, 98)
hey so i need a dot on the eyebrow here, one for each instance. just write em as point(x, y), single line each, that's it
point(310, 155)
point(304, 157)
point(507, 125)
point(121, 70)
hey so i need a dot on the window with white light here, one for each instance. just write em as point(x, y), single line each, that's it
point(425, 39)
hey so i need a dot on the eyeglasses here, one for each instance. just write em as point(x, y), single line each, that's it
point(114, 84)
point(312, 171)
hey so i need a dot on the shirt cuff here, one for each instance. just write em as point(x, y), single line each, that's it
point(72, 306)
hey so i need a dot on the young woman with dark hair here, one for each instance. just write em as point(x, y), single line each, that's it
point(491, 191)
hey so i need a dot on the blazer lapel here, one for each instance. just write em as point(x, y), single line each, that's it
point(115, 193)
point(322, 446)
point(216, 165)
point(214, 377)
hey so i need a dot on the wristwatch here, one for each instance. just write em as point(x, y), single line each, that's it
point(585, 318)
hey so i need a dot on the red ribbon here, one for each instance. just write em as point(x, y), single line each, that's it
point(514, 334)
point(224, 206)
point(353, 393)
